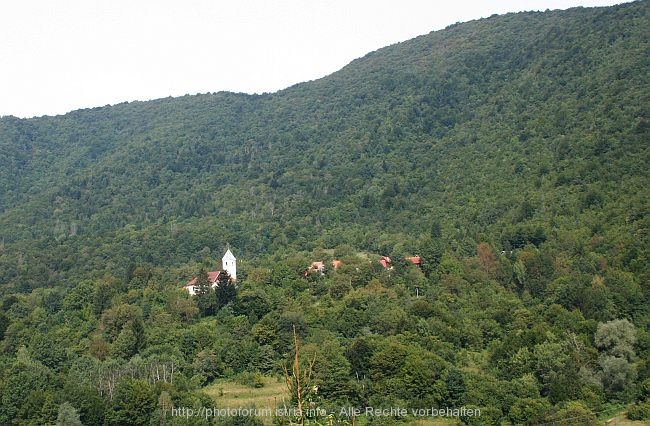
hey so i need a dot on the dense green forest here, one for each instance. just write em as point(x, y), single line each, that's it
point(509, 153)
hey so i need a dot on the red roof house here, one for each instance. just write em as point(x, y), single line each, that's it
point(386, 262)
point(315, 267)
point(416, 260)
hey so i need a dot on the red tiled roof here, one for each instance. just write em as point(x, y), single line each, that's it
point(416, 260)
point(212, 278)
point(317, 265)
point(336, 264)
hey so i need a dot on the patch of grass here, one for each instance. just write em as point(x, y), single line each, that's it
point(274, 392)
point(232, 394)
point(621, 420)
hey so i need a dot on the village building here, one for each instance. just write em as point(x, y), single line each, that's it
point(416, 260)
point(387, 263)
point(320, 267)
point(228, 264)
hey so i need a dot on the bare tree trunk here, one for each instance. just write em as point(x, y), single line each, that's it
point(296, 369)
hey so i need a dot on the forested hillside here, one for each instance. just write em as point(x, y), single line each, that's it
point(510, 153)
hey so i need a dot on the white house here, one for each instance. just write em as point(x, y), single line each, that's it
point(228, 264)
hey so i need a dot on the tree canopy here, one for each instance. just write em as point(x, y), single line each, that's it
point(509, 154)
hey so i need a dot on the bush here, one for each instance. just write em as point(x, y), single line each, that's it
point(639, 411)
point(249, 378)
point(574, 413)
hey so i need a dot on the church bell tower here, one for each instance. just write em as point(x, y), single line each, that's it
point(229, 264)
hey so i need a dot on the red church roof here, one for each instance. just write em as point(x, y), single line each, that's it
point(212, 278)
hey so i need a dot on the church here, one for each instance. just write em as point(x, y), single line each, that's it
point(228, 264)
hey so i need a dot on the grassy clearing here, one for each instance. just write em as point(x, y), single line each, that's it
point(234, 395)
point(231, 394)
point(621, 420)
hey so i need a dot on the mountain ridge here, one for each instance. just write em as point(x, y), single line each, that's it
point(377, 141)
point(514, 165)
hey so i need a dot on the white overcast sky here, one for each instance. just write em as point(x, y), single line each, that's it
point(61, 55)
